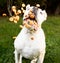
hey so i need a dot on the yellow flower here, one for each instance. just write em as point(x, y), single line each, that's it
point(4, 14)
point(26, 25)
point(17, 18)
point(22, 8)
point(19, 11)
point(13, 7)
point(11, 19)
point(35, 23)
point(14, 37)
point(37, 5)
point(23, 5)
point(31, 22)
point(23, 11)
point(31, 14)
point(20, 26)
point(15, 21)
point(14, 10)
point(32, 38)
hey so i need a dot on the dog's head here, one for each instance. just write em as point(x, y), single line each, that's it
point(39, 14)
point(28, 11)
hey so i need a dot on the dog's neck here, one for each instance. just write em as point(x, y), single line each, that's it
point(28, 31)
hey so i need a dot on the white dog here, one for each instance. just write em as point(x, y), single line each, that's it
point(27, 48)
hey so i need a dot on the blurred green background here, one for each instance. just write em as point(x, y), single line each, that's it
point(51, 28)
point(9, 29)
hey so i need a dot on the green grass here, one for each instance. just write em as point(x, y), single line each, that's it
point(9, 29)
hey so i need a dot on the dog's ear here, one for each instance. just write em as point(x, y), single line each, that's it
point(45, 14)
point(28, 7)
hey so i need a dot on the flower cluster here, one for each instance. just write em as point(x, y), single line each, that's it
point(15, 17)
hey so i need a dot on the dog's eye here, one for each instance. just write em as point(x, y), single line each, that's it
point(40, 12)
point(28, 9)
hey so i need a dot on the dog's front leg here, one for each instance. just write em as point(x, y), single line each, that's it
point(34, 60)
point(20, 59)
point(16, 56)
point(41, 57)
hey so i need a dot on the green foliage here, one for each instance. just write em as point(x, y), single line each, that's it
point(52, 31)
point(2, 3)
point(32, 2)
point(49, 5)
point(9, 29)
point(17, 3)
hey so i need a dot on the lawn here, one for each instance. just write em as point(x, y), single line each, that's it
point(9, 29)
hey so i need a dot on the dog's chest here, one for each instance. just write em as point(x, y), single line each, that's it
point(31, 50)
point(27, 47)
point(31, 47)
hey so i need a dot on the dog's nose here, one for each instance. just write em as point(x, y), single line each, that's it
point(23, 18)
point(26, 15)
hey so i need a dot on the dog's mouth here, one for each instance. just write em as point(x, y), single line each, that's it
point(31, 23)
point(28, 18)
